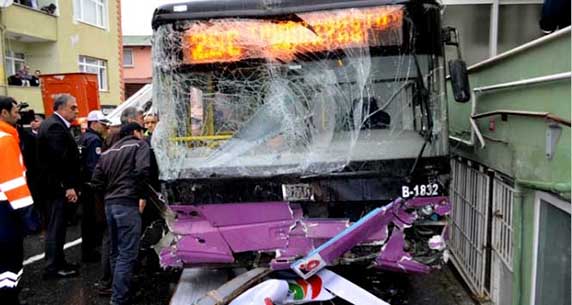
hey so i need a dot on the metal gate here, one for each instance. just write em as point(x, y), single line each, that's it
point(501, 242)
point(469, 191)
point(482, 205)
point(503, 201)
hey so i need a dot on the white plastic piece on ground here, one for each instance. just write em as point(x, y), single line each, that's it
point(437, 242)
point(322, 287)
point(275, 290)
point(446, 256)
point(347, 290)
point(285, 292)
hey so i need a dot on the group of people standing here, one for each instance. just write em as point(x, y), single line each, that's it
point(107, 172)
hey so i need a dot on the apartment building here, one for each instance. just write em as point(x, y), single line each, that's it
point(61, 36)
point(137, 63)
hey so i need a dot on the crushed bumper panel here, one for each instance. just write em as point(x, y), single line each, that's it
point(216, 233)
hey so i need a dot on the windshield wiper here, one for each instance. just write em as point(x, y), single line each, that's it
point(423, 96)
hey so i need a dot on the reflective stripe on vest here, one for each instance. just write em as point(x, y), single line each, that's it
point(13, 186)
point(10, 279)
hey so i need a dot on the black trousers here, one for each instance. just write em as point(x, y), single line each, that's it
point(106, 275)
point(92, 224)
point(11, 254)
point(55, 234)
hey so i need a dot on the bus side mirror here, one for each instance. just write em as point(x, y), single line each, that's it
point(457, 67)
point(459, 80)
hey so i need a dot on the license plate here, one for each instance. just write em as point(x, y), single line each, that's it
point(297, 192)
point(420, 190)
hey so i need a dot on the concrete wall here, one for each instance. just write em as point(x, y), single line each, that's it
point(516, 146)
point(523, 154)
point(78, 38)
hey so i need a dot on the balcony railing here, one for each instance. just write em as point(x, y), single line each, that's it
point(21, 22)
point(30, 95)
point(47, 6)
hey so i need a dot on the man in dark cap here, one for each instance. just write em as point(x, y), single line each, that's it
point(122, 174)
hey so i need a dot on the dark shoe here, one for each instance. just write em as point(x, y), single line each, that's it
point(60, 274)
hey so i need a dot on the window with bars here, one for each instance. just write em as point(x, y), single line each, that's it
point(14, 61)
point(96, 66)
point(93, 12)
point(128, 57)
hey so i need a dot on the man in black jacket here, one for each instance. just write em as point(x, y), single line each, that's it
point(29, 144)
point(58, 160)
point(122, 174)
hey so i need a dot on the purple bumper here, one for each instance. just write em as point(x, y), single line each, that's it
point(211, 234)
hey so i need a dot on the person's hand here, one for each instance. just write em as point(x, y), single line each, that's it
point(142, 204)
point(71, 195)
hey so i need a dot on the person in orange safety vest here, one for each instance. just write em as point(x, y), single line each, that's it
point(16, 210)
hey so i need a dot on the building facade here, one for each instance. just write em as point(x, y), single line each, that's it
point(137, 63)
point(511, 152)
point(57, 36)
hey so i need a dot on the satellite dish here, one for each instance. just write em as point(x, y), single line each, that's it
point(6, 3)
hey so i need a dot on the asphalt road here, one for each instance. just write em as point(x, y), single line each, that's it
point(155, 287)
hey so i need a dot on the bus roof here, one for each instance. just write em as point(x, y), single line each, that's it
point(205, 9)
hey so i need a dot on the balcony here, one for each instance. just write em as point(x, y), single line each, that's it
point(30, 95)
point(27, 24)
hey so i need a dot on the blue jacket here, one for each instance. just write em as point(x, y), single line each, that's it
point(91, 143)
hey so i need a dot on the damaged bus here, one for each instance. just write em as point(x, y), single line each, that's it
point(304, 133)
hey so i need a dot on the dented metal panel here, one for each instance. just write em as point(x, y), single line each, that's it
point(199, 240)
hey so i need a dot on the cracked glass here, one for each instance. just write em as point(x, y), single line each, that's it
point(302, 94)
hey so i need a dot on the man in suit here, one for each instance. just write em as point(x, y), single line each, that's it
point(58, 158)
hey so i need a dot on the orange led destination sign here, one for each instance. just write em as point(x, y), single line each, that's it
point(229, 40)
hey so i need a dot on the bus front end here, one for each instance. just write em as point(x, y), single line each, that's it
point(299, 134)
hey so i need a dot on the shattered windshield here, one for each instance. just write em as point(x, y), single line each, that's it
point(303, 94)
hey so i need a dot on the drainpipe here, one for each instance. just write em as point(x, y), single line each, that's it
point(3, 49)
point(519, 199)
point(494, 28)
